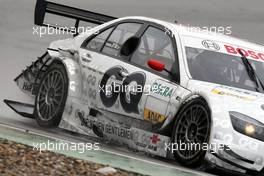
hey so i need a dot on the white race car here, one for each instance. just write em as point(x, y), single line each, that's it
point(153, 86)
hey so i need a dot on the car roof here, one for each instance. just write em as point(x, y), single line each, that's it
point(185, 31)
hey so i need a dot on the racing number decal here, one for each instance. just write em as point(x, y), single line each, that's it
point(121, 85)
point(109, 98)
point(134, 98)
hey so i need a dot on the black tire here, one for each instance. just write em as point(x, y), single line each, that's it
point(189, 129)
point(254, 173)
point(51, 97)
point(259, 174)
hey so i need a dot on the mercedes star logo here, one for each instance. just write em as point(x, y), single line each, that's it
point(211, 45)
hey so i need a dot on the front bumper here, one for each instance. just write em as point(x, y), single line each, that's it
point(240, 153)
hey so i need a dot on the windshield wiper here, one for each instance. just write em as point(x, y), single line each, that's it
point(251, 72)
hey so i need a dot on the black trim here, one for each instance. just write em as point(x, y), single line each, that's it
point(40, 71)
point(42, 7)
point(176, 71)
point(230, 162)
point(235, 155)
point(114, 25)
point(94, 112)
point(24, 114)
point(51, 49)
point(44, 55)
point(212, 168)
point(114, 28)
point(141, 31)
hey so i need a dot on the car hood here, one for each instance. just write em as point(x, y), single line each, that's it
point(226, 98)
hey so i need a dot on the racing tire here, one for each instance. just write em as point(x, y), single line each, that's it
point(259, 174)
point(192, 126)
point(51, 96)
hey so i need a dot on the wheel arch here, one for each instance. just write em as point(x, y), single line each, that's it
point(183, 102)
point(74, 75)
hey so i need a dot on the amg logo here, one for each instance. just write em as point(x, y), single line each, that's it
point(27, 87)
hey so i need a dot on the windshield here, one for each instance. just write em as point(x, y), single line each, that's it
point(221, 68)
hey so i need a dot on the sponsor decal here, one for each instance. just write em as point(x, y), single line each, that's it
point(27, 86)
point(118, 131)
point(113, 45)
point(153, 117)
point(141, 144)
point(92, 93)
point(155, 139)
point(233, 93)
point(85, 60)
point(91, 80)
point(211, 45)
point(129, 99)
point(223, 48)
point(248, 53)
point(88, 122)
point(162, 90)
point(140, 139)
point(106, 128)
point(148, 141)
point(153, 147)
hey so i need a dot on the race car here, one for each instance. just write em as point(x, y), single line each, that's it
point(153, 86)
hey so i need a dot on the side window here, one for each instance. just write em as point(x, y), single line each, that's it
point(118, 37)
point(155, 44)
point(97, 42)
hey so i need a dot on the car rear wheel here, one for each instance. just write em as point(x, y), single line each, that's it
point(191, 132)
point(51, 97)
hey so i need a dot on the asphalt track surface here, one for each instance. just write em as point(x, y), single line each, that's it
point(19, 47)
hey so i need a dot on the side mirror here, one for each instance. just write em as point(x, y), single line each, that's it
point(129, 46)
point(156, 65)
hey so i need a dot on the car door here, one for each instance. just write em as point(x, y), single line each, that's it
point(127, 85)
point(99, 54)
point(160, 86)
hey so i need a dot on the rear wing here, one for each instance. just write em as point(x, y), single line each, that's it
point(43, 7)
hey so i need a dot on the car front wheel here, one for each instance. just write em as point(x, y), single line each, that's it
point(191, 132)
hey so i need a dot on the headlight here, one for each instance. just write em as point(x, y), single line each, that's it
point(247, 125)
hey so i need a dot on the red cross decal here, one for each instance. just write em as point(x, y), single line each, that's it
point(155, 138)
